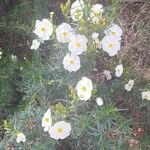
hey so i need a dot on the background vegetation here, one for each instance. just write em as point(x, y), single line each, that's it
point(36, 81)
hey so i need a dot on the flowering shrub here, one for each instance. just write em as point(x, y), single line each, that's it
point(64, 101)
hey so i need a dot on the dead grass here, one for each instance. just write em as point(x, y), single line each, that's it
point(135, 19)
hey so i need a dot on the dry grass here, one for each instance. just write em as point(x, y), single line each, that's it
point(135, 19)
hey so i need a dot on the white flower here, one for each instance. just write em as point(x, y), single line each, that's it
point(20, 138)
point(84, 88)
point(13, 57)
point(35, 44)
point(114, 30)
point(76, 10)
point(47, 120)
point(111, 45)
point(60, 130)
point(129, 85)
point(71, 62)
point(146, 95)
point(119, 70)
point(43, 29)
point(96, 13)
point(64, 33)
point(95, 35)
point(99, 101)
point(78, 45)
point(107, 74)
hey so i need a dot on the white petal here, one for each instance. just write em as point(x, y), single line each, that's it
point(47, 31)
point(99, 101)
point(114, 30)
point(115, 45)
point(95, 35)
point(71, 62)
point(78, 45)
point(64, 33)
point(119, 70)
point(107, 74)
point(146, 95)
point(66, 128)
point(84, 95)
point(20, 138)
point(76, 10)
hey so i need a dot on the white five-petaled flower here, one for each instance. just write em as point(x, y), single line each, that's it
point(99, 101)
point(76, 10)
point(96, 13)
point(20, 138)
point(64, 33)
point(118, 70)
point(129, 85)
point(43, 29)
point(47, 120)
point(111, 45)
point(78, 44)
point(107, 74)
point(115, 31)
point(35, 44)
point(60, 130)
point(146, 95)
point(71, 62)
point(84, 88)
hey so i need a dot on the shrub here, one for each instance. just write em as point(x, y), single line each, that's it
point(62, 94)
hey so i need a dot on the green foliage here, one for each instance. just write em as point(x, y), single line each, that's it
point(65, 8)
point(14, 29)
point(9, 86)
point(45, 84)
point(40, 8)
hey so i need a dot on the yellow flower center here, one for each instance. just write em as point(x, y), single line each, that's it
point(78, 45)
point(97, 14)
point(46, 119)
point(43, 29)
point(65, 34)
point(84, 88)
point(103, 21)
point(59, 130)
point(71, 61)
point(113, 33)
point(19, 134)
point(110, 45)
point(78, 11)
